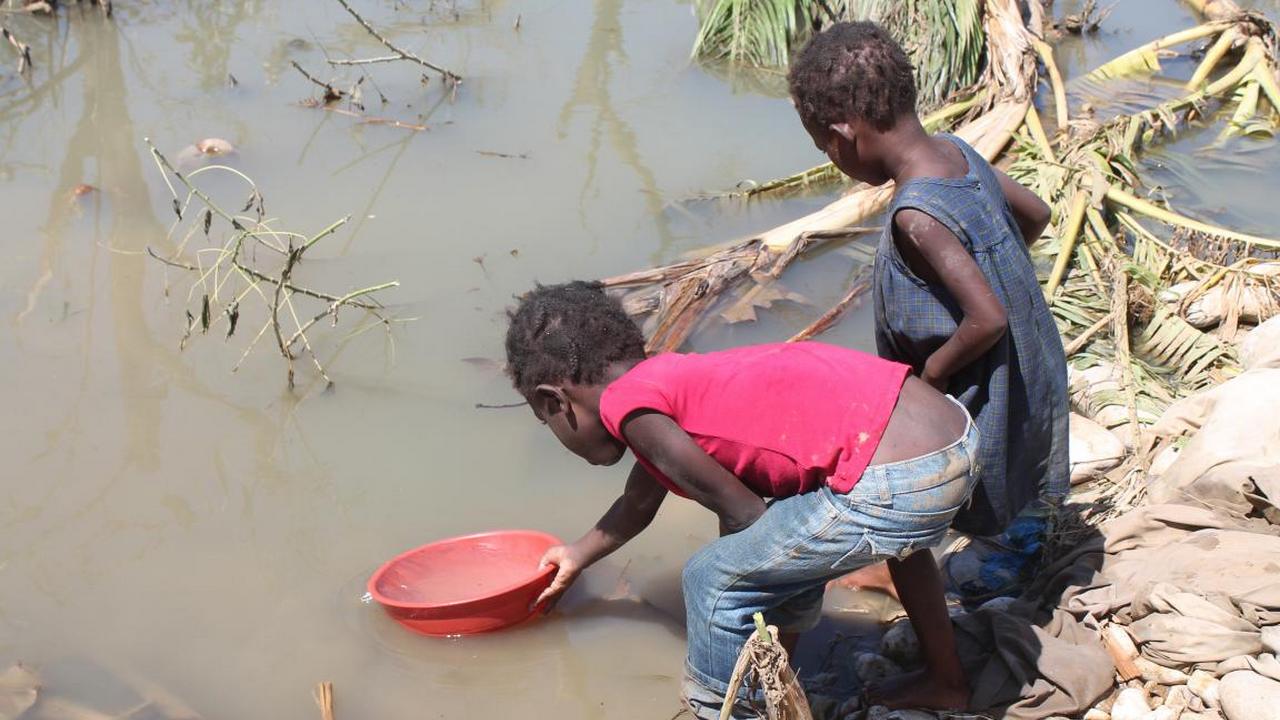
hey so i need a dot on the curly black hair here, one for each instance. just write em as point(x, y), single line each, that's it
point(572, 331)
point(852, 71)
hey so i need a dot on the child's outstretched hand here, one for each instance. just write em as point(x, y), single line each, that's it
point(569, 565)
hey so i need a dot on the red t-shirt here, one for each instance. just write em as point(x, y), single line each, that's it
point(783, 418)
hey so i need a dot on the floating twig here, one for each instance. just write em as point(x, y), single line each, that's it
point(450, 77)
point(331, 94)
point(509, 156)
point(500, 406)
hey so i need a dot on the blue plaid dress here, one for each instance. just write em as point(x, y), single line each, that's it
point(1017, 392)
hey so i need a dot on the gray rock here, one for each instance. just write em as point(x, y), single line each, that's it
point(901, 645)
point(871, 667)
point(1246, 695)
point(1131, 704)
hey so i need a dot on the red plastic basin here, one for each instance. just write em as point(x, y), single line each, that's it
point(465, 585)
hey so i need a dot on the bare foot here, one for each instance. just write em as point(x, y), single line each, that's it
point(918, 689)
point(872, 578)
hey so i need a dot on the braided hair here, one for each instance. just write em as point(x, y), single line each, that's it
point(852, 71)
point(572, 331)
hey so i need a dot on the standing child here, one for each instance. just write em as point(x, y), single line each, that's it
point(817, 460)
point(956, 299)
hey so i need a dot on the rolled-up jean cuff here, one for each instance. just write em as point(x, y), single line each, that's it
point(705, 695)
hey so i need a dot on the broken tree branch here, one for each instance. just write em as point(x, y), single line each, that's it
point(830, 317)
point(449, 76)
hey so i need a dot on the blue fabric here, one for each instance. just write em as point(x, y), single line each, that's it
point(1017, 392)
point(780, 565)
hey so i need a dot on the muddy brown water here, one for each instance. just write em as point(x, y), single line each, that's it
point(161, 517)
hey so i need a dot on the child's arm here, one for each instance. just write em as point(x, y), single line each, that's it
point(925, 241)
point(630, 513)
point(662, 442)
point(1029, 210)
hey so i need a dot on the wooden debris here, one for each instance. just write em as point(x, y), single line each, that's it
point(1123, 652)
point(860, 285)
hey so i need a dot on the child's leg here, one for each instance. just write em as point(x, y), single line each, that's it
point(942, 685)
point(778, 566)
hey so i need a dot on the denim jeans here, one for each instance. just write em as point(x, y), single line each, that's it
point(781, 564)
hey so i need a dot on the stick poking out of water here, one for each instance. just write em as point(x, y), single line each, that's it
point(451, 78)
point(324, 698)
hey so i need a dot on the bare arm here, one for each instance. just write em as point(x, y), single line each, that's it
point(1029, 210)
point(926, 242)
point(662, 442)
point(627, 517)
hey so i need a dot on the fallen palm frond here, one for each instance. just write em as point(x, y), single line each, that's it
point(1146, 59)
point(229, 274)
point(758, 33)
point(943, 38)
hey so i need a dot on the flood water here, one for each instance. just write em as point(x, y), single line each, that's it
point(164, 518)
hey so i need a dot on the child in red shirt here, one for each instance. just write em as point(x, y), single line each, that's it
point(817, 460)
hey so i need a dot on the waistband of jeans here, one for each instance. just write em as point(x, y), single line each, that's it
point(970, 430)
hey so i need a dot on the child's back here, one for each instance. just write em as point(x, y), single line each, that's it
point(1017, 390)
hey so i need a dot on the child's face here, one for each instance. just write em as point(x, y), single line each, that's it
point(575, 425)
point(840, 143)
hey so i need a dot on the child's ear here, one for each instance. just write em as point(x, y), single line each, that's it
point(549, 400)
point(844, 130)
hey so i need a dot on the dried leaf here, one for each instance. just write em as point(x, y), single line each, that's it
point(208, 220)
point(758, 297)
point(204, 314)
point(177, 208)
